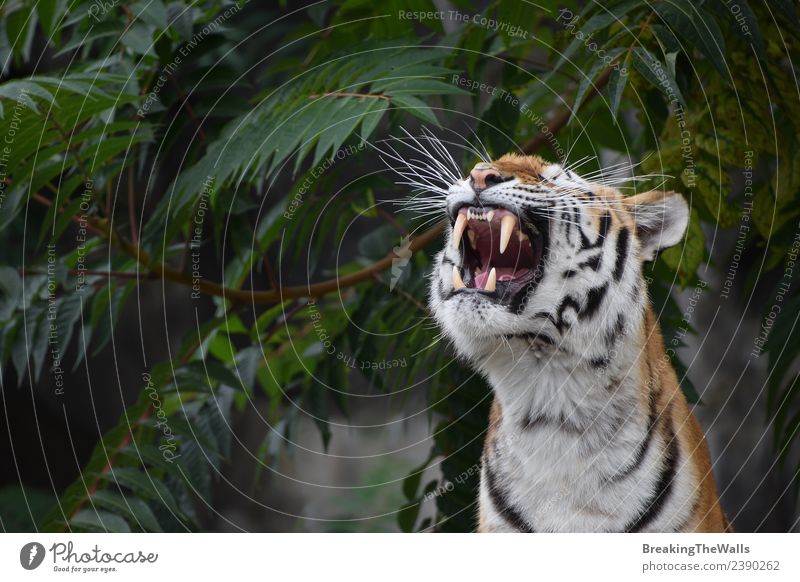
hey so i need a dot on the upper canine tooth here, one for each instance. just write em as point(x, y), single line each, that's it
point(506, 228)
point(491, 281)
point(490, 216)
point(458, 282)
point(458, 230)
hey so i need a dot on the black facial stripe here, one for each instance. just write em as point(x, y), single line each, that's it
point(622, 253)
point(605, 224)
point(568, 301)
point(644, 445)
point(651, 510)
point(593, 263)
point(601, 362)
point(593, 300)
point(614, 332)
point(500, 501)
point(569, 274)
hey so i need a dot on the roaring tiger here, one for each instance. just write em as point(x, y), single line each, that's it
point(540, 288)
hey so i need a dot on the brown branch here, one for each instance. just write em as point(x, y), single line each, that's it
point(189, 109)
point(392, 220)
point(93, 273)
point(240, 296)
point(87, 224)
point(276, 295)
point(561, 120)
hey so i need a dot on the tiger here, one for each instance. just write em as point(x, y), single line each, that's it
point(540, 288)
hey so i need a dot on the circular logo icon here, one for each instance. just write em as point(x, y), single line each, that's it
point(31, 555)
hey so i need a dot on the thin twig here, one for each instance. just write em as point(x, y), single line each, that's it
point(273, 281)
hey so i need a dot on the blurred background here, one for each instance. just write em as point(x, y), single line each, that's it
point(214, 299)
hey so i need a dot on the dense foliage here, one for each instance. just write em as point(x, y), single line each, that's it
point(225, 149)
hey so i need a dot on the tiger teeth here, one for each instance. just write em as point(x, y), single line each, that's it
point(491, 281)
point(506, 230)
point(458, 282)
point(458, 230)
point(481, 215)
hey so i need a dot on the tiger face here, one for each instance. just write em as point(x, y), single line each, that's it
point(536, 251)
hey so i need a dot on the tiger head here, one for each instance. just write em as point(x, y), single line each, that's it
point(536, 251)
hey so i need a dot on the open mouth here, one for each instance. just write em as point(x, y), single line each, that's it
point(501, 254)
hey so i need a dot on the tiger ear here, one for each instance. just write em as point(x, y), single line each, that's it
point(661, 219)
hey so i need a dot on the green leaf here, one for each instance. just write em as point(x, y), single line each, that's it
point(689, 21)
point(587, 81)
point(131, 507)
point(656, 74)
point(50, 14)
point(138, 38)
point(99, 521)
point(10, 291)
point(144, 486)
point(789, 10)
point(152, 12)
point(415, 107)
point(745, 24)
point(616, 87)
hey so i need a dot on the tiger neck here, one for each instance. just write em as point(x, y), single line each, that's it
point(536, 382)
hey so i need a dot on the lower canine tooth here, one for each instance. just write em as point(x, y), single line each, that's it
point(458, 230)
point(490, 216)
point(491, 281)
point(458, 282)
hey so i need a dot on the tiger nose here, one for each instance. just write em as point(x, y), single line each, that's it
point(482, 178)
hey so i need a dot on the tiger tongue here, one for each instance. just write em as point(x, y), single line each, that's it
point(503, 274)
